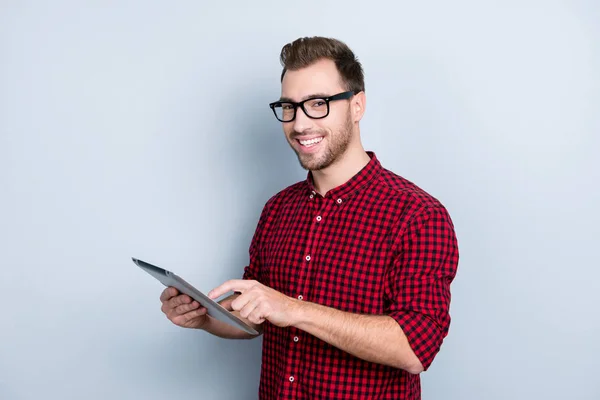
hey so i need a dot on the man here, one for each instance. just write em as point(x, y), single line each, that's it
point(350, 270)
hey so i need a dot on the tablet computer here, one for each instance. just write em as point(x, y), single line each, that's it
point(215, 310)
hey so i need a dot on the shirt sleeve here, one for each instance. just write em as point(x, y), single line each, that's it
point(418, 283)
point(253, 270)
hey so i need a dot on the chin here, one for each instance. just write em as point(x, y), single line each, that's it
point(314, 163)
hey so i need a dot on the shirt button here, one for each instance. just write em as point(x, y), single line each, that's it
point(291, 379)
point(339, 201)
point(300, 297)
point(307, 258)
point(296, 338)
point(319, 218)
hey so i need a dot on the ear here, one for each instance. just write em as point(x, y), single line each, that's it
point(358, 104)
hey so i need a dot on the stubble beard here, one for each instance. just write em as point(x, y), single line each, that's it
point(337, 144)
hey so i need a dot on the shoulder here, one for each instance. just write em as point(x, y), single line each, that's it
point(285, 196)
point(401, 188)
point(409, 203)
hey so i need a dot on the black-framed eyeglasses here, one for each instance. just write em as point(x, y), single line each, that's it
point(314, 107)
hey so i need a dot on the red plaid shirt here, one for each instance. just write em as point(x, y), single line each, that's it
point(378, 245)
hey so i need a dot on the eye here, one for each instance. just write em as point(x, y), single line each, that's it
point(317, 103)
point(287, 106)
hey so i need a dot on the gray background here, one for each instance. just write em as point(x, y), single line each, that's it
point(142, 129)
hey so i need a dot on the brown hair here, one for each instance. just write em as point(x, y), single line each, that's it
point(305, 51)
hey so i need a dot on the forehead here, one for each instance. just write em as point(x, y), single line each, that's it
point(320, 77)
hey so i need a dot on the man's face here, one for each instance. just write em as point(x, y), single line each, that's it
point(317, 142)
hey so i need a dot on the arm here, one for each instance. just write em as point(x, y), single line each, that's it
point(417, 288)
point(417, 284)
point(375, 338)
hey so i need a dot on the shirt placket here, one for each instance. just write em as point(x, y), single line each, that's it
point(321, 216)
point(321, 220)
point(320, 212)
point(318, 208)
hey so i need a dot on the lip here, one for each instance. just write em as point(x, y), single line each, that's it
point(312, 149)
point(308, 137)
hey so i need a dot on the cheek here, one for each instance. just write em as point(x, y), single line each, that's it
point(333, 127)
point(324, 127)
point(343, 124)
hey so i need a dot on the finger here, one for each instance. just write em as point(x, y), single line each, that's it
point(168, 293)
point(236, 285)
point(257, 316)
point(176, 313)
point(249, 308)
point(169, 306)
point(184, 308)
point(226, 302)
point(179, 300)
point(241, 301)
point(183, 319)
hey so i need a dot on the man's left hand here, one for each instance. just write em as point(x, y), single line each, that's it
point(258, 303)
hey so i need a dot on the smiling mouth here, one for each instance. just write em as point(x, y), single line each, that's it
point(310, 142)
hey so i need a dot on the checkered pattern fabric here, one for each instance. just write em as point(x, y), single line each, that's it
point(378, 245)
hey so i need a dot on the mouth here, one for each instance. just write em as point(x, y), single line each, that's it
point(309, 143)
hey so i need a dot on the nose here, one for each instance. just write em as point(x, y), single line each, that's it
point(302, 122)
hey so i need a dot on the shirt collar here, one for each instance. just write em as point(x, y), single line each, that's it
point(354, 184)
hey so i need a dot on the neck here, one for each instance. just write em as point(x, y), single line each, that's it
point(341, 171)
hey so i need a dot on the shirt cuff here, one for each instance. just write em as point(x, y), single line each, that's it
point(424, 335)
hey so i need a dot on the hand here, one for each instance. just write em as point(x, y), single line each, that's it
point(258, 302)
point(181, 310)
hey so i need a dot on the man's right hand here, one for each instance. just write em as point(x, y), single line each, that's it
point(181, 310)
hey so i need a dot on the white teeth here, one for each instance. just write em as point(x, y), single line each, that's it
point(311, 141)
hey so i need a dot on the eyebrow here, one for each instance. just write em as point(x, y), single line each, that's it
point(289, 100)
